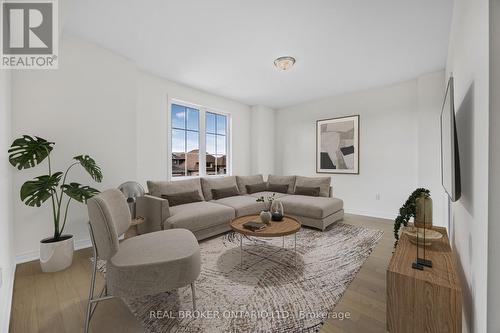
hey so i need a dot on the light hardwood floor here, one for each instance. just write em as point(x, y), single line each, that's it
point(56, 302)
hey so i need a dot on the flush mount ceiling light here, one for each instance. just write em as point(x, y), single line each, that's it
point(284, 63)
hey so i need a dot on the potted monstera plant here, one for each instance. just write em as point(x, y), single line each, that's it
point(56, 252)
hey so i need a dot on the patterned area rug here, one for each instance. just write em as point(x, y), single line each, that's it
point(274, 289)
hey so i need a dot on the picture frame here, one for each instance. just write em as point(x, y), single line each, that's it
point(337, 145)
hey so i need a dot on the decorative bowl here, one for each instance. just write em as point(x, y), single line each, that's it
point(431, 236)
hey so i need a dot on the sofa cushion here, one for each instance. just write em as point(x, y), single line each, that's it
point(209, 183)
point(248, 180)
point(177, 199)
point(310, 191)
point(277, 188)
point(283, 180)
point(266, 194)
point(314, 207)
point(199, 215)
point(243, 204)
point(254, 188)
point(322, 182)
point(219, 193)
point(157, 188)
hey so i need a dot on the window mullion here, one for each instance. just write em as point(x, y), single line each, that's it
point(185, 154)
point(202, 159)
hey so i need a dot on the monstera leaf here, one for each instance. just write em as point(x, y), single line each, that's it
point(90, 166)
point(79, 192)
point(28, 151)
point(35, 192)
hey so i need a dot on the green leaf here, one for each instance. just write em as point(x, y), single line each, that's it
point(28, 151)
point(35, 192)
point(79, 192)
point(90, 166)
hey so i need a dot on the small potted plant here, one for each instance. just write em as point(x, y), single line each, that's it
point(409, 210)
point(56, 252)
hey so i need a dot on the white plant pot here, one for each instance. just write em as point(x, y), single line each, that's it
point(56, 256)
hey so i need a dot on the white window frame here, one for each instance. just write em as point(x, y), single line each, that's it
point(202, 139)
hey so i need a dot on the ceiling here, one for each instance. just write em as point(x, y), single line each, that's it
point(227, 47)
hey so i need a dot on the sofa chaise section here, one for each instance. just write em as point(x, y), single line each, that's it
point(313, 211)
point(317, 212)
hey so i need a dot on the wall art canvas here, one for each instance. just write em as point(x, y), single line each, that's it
point(337, 145)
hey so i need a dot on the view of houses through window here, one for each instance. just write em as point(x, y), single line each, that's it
point(185, 140)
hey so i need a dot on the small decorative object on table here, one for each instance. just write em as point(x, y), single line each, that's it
point(265, 215)
point(423, 211)
point(417, 235)
point(409, 209)
point(421, 216)
point(254, 226)
point(277, 211)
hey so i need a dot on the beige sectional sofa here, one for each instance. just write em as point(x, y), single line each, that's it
point(208, 216)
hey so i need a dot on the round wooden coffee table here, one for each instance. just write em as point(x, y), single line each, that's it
point(288, 226)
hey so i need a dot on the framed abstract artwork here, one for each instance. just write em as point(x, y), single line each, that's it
point(337, 145)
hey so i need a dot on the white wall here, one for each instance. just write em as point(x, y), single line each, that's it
point(153, 94)
point(468, 59)
point(87, 106)
point(101, 104)
point(6, 219)
point(430, 95)
point(262, 140)
point(389, 148)
point(494, 177)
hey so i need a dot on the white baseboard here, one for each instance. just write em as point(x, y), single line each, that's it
point(5, 322)
point(380, 215)
point(35, 254)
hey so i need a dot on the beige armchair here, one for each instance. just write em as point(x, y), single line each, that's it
point(143, 265)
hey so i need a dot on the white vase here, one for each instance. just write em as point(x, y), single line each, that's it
point(56, 256)
point(265, 216)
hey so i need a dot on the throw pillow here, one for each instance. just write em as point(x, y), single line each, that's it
point(280, 188)
point(220, 193)
point(310, 191)
point(254, 188)
point(182, 198)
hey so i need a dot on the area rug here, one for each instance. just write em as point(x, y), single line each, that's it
point(273, 289)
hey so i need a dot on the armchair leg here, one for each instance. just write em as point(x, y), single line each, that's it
point(92, 288)
point(193, 294)
point(93, 302)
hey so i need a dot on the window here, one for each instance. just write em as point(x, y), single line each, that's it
point(216, 143)
point(189, 151)
point(185, 141)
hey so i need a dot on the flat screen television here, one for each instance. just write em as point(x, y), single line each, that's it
point(450, 161)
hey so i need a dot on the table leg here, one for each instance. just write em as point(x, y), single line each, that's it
point(241, 250)
point(283, 241)
point(295, 248)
